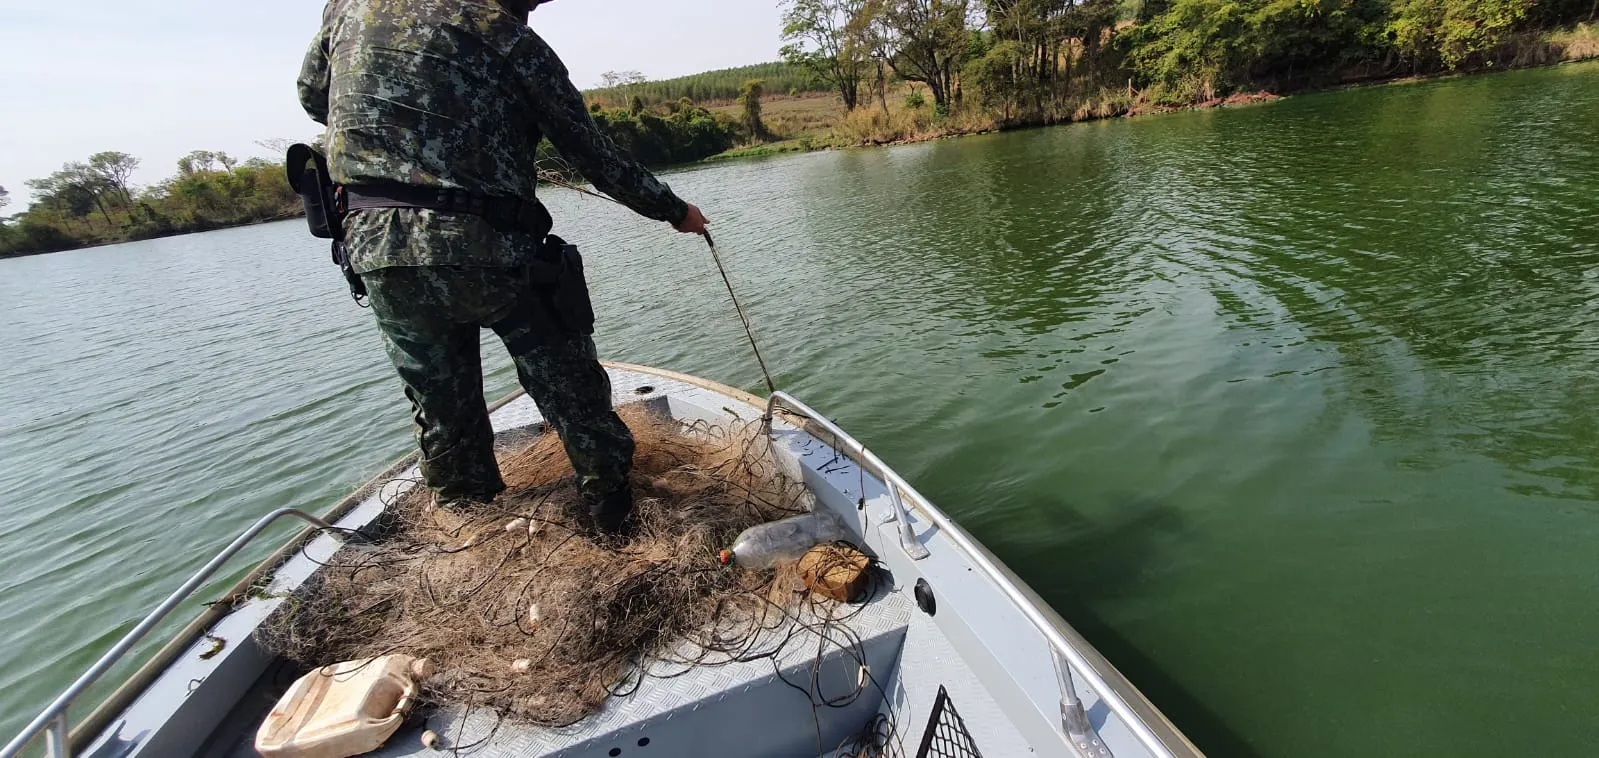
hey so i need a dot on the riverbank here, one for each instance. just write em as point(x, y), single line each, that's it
point(879, 126)
point(903, 117)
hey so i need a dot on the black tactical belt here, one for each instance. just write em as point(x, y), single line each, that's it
point(506, 214)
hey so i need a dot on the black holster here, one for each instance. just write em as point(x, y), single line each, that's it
point(324, 207)
point(558, 269)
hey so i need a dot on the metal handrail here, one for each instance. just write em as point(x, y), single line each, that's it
point(53, 720)
point(1073, 657)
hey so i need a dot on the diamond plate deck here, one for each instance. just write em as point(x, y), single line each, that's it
point(739, 708)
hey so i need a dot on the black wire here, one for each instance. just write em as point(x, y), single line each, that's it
point(742, 623)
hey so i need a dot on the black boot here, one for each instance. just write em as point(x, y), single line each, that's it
point(613, 514)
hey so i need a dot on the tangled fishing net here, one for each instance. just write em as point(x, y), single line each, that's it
point(522, 610)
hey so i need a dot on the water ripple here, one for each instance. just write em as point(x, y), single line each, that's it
point(1221, 385)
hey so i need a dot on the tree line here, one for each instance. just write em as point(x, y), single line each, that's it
point(1044, 60)
point(94, 202)
point(720, 86)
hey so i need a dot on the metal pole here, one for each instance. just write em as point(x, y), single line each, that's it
point(749, 331)
point(54, 715)
point(1072, 716)
point(56, 743)
point(907, 536)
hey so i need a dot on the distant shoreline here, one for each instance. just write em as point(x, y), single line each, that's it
point(114, 243)
point(954, 128)
point(1135, 110)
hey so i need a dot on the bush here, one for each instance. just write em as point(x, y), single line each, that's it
point(1187, 90)
point(34, 237)
point(1454, 33)
point(914, 99)
point(994, 77)
point(1208, 47)
point(689, 134)
point(1579, 43)
point(870, 126)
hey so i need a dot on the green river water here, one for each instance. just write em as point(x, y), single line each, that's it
point(1291, 409)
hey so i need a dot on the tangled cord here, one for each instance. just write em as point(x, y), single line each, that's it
point(539, 623)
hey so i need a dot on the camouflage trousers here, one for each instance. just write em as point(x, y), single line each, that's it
point(430, 317)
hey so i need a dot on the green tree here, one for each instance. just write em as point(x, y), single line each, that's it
point(5, 197)
point(115, 170)
point(1199, 48)
point(927, 41)
point(1037, 35)
point(622, 78)
point(202, 162)
point(75, 191)
point(997, 77)
point(1196, 42)
point(707, 87)
point(750, 99)
point(824, 40)
point(1453, 33)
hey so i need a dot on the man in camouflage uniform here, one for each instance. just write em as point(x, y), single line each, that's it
point(456, 94)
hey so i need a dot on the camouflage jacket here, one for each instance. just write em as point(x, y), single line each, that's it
point(456, 94)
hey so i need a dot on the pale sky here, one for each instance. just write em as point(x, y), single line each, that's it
point(159, 78)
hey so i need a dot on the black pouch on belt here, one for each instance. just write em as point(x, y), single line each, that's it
point(561, 267)
point(324, 207)
point(308, 176)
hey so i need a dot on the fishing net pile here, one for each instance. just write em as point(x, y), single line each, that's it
point(523, 610)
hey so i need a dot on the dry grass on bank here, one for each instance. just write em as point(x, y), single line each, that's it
point(1578, 43)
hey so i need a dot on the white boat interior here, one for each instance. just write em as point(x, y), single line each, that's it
point(951, 655)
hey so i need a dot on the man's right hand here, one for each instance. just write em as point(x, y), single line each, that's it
point(693, 222)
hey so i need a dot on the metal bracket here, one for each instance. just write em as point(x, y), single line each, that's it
point(1073, 719)
point(908, 541)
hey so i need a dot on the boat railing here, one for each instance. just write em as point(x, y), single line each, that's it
point(52, 722)
point(1069, 659)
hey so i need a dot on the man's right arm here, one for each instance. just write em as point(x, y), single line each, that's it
point(564, 119)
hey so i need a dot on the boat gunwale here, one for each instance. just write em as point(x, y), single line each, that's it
point(138, 682)
point(87, 730)
point(1160, 728)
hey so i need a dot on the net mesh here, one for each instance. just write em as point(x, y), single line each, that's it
point(522, 610)
point(946, 735)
